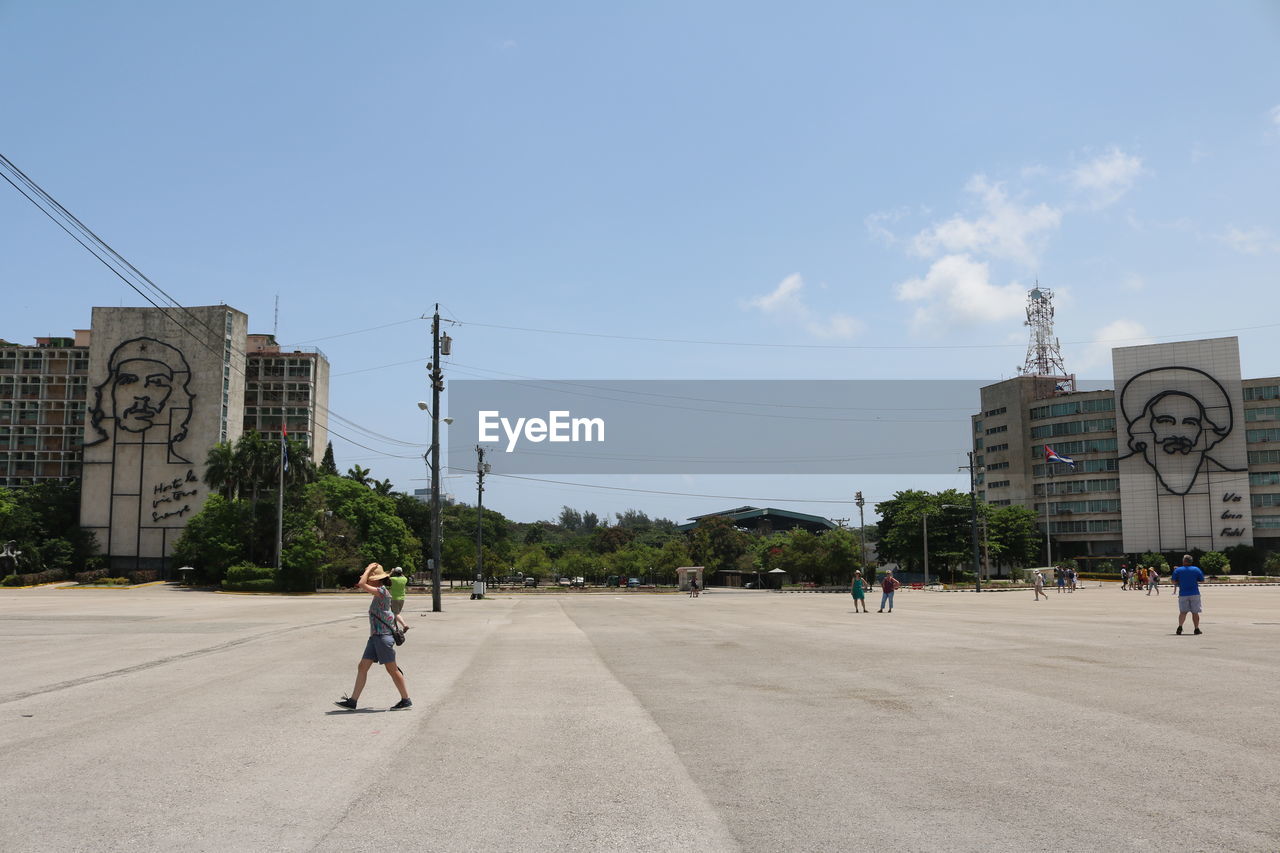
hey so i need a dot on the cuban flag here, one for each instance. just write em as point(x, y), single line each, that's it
point(284, 445)
point(1050, 456)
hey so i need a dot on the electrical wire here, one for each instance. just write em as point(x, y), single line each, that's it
point(893, 347)
point(102, 250)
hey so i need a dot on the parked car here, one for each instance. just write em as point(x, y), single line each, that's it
point(563, 582)
point(632, 583)
point(530, 581)
point(579, 582)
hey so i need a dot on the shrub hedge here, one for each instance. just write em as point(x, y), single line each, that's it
point(247, 577)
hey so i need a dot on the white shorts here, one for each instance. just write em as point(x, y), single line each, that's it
point(1189, 604)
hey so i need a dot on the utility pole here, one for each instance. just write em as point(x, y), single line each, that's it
point(482, 468)
point(862, 534)
point(973, 519)
point(438, 347)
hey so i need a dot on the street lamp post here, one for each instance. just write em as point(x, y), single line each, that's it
point(862, 533)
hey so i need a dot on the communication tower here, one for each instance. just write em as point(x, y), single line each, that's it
point(1044, 354)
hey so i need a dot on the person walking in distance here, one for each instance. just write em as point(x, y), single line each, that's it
point(859, 591)
point(1153, 580)
point(381, 647)
point(887, 588)
point(1038, 579)
point(396, 584)
point(1188, 578)
point(1124, 577)
point(1061, 575)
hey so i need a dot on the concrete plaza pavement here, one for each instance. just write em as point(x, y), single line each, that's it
point(162, 718)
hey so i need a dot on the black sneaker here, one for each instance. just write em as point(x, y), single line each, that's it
point(1179, 631)
point(1197, 631)
point(348, 703)
point(402, 704)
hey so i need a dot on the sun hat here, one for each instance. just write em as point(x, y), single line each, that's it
point(377, 574)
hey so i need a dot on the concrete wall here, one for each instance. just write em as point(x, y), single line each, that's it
point(164, 387)
point(1181, 434)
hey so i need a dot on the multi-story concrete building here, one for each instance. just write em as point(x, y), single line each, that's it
point(42, 403)
point(1199, 475)
point(290, 388)
point(132, 406)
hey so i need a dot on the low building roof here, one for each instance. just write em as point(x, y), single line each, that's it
point(777, 519)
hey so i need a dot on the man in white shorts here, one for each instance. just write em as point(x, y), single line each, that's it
point(1188, 578)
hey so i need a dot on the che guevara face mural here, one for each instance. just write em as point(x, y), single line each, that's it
point(147, 387)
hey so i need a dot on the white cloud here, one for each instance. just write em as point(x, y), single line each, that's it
point(1275, 116)
point(957, 290)
point(1108, 177)
point(1253, 241)
point(876, 224)
point(786, 302)
point(1096, 354)
point(1134, 282)
point(1003, 229)
point(784, 298)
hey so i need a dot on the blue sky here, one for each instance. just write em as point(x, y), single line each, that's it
point(885, 181)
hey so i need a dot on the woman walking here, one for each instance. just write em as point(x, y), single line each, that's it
point(381, 647)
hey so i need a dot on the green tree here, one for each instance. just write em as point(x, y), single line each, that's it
point(634, 561)
point(222, 470)
point(719, 546)
point(214, 539)
point(901, 529)
point(1215, 563)
point(359, 475)
point(328, 466)
point(1246, 559)
point(1013, 538)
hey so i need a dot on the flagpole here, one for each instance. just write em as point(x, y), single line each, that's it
point(280, 500)
point(1048, 545)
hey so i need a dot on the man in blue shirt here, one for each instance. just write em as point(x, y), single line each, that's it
point(1188, 577)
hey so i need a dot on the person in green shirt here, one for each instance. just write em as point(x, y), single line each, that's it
point(397, 583)
point(859, 592)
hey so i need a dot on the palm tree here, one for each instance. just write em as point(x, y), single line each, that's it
point(223, 470)
point(383, 487)
point(360, 475)
point(302, 468)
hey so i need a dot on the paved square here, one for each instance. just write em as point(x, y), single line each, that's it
point(162, 719)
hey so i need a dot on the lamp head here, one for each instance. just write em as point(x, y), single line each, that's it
point(423, 406)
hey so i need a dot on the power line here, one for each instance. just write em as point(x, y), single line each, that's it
point(660, 492)
point(100, 249)
point(894, 347)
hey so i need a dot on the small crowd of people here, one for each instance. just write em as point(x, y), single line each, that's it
point(1143, 577)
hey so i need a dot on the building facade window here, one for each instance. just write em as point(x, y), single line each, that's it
point(1256, 435)
point(1265, 500)
point(1264, 478)
point(1077, 407)
point(1262, 392)
point(1263, 413)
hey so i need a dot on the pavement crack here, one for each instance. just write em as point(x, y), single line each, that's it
point(152, 664)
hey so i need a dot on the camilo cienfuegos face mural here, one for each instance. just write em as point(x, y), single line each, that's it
point(1175, 428)
point(1183, 468)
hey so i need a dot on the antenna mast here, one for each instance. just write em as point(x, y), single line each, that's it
point(1044, 354)
point(275, 324)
